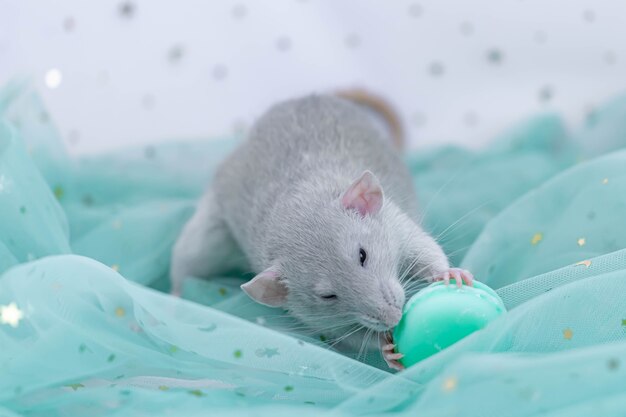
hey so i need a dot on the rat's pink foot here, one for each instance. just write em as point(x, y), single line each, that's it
point(389, 354)
point(459, 275)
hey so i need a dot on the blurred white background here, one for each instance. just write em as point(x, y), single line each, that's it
point(120, 73)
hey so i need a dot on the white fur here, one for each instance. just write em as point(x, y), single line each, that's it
point(277, 201)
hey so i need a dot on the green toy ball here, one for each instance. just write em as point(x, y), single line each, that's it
point(441, 315)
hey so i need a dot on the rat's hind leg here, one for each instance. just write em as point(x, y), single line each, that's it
point(205, 246)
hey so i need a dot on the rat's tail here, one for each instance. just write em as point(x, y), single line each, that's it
point(380, 106)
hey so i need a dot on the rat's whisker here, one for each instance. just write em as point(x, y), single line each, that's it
point(364, 343)
point(413, 287)
point(462, 218)
point(413, 263)
point(416, 274)
point(409, 238)
point(314, 329)
point(416, 259)
point(426, 282)
point(441, 236)
point(434, 197)
point(343, 337)
point(308, 328)
point(428, 266)
point(372, 333)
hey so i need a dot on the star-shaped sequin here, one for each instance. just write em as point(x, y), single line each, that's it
point(587, 263)
point(11, 315)
point(450, 384)
point(58, 192)
point(537, 237)
point(197, 393)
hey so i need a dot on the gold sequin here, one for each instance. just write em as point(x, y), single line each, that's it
point(164, 387)
point(605, 181)
point(11, 315)
point(587, 263)
point(537, 237)
point(450, 383)
point(115, 267)
point(582, 241)
point(568, 333)
point(120, 312)
point(197, 393)
point(58, 192)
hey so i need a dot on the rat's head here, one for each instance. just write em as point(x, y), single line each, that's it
point(339, 265)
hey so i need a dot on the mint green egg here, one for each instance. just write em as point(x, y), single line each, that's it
point(440, 315)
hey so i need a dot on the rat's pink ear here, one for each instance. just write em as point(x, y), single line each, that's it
point(267, 288)
point(365, 195)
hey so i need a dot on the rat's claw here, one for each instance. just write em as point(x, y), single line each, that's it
point(394, 364)
point(390, 356)
point(460, 276)
point(468, 277)
point(392, 359)
point(393, 356)
point(457, 277)
point(445, 278)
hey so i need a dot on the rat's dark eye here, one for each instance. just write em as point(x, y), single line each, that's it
point(329, 297)
point(362, 256)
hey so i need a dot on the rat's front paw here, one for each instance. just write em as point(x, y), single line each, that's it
point(459, 275)
point(389, 354)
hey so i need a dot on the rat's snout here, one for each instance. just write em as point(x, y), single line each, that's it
point(391, 316)
point(385, 319)
point(393, 294)
point(388, 307)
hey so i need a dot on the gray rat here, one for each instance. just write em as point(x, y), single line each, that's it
point(319, 204)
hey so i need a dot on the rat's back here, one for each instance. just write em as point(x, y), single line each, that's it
point(317, 137)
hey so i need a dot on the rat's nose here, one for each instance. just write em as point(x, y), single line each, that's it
point(391, 316)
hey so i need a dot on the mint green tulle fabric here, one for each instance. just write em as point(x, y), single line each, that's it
point(87, 327)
